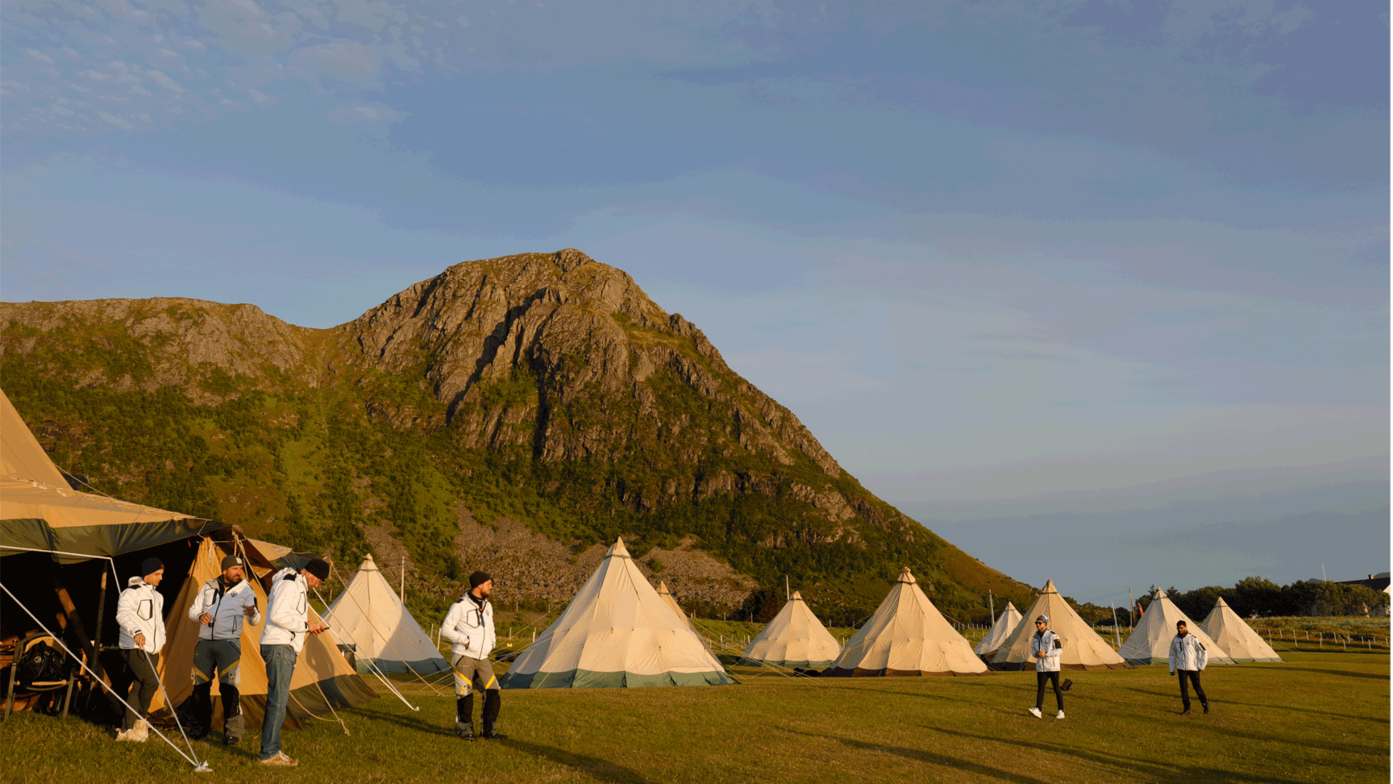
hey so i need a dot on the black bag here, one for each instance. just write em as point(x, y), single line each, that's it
point(41, 663)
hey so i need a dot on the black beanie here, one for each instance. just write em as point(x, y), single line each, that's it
point(150, 566)
point(478, 578)
point(318, 568)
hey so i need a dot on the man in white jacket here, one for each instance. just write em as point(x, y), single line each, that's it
point(287, 625)
point(140, 614)
point(1045, 648)
point(1188, 657)
point(219, 608)
point(469, 626)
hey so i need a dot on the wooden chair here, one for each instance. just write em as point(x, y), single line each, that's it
point(37, 687)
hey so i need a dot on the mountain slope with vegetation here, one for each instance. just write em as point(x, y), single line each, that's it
point(514, 414)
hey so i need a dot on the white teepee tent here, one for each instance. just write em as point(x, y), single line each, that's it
point(369, 615)
point(1150, 642)
point(1235, 636)
point(671, 602)
point(1083, 648)
point(617, 631)
point(1006, 623)
point(907, 635)
point(794, 638)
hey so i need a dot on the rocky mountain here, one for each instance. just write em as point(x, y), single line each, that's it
point(513, 414)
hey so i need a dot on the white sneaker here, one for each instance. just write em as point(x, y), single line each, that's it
point(281, 760)
point(123, 735)
point(1059, 715)
point(141, 733)
point(1035, 712)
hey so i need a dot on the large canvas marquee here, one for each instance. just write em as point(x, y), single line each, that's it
point(1235, 636)
point(1083, 648)
point(794, 638)
point(907, 635)
point(1150, 642)
point(369, 615)
point(617, 631)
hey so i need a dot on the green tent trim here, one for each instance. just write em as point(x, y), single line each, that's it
point(588, 679)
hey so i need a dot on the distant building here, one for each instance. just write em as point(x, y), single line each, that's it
point(1379, 582)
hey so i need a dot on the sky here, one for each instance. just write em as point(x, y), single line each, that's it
point(1097, 290)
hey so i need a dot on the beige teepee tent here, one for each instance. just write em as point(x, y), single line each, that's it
point(1236, 637)
point(794, 638)
point(322, 680)
point(1150, 642)
point(1006, 623)
point(369, 616)
point(907, 635)
point(671, 602)
point(1083, 648)
point(617, 631)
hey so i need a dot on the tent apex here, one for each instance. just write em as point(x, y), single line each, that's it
point(1049, 587)
point(1222, 603)
point(619, 548)
point(1160, 594)
point(905, 576)
point(797, 596)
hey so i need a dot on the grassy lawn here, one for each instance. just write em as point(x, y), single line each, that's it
point(1317, 718)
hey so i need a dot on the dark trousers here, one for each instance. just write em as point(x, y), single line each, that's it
point(144, 683)
point(464, 708)
point(1040, 679)
point(1194, 676)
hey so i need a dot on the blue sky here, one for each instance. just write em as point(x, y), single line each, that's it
point(1111, 277)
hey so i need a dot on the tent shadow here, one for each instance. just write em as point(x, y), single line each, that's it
point(595, 767)
point(1126, 766)
point(927, 757)
point(1345, 673)
point(410, 722)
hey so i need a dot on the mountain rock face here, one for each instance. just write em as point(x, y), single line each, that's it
point(515, 413)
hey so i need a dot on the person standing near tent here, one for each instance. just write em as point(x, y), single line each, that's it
point(219, 608)
point(140, 614)
point(469, 627)
point(1187, 657)
point(287, 624)
point(1045, 648)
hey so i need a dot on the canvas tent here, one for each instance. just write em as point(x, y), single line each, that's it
point(322, 676)
point(794, 638)
point(1236, 637)
point(1083, 648)
point(671, 602)
point(1006, 623)
point(369, 616)
point(617, 631)
point(1150, 642)
point(907, 635)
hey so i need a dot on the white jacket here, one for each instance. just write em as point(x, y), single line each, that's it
point(1188, 653)
point(1050, 643)
point(225, 607)
point(470, 628)
point(140, 610)
point(287, 610)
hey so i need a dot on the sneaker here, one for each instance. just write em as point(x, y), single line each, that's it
point(282, 760)
point(1035, 712)
point(1059, 715)
point(141, 733)
point(123, 736)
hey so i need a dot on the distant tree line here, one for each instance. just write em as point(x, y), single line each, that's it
point(1260, 597)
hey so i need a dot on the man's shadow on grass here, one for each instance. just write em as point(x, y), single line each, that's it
point(409, 722)
point(599, 768)
point(1220, 702)
point(928, 757)
point(1126, 766)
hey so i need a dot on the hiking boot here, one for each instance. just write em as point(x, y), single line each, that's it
point(281, 760)
point(233, 729)
point(1185, 712)
point(464, 730)
point(1206, 709)
point(1059, 715)
point(1035, 712)
point(491, 733)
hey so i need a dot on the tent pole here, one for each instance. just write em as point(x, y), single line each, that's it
point(97, 639)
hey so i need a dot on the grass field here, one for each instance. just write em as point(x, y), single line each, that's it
point(1320, 717)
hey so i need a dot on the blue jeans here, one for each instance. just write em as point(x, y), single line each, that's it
point(280, 663)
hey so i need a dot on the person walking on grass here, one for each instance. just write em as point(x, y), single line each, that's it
point(1188, 657)
point(287, 626)
point(140, 614)
point(469, 627)
point(1045, 648)
point(219, 608)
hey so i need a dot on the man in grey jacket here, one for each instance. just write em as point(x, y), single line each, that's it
point(1045, 648)
point(219, 607)
point(1188, 657)
point(469, 626)
point(140, 614)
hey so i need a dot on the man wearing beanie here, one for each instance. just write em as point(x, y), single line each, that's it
point(469, 626)
point(140, 614)
point(287, 625)
point(219, 608)
point(1045, 648)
